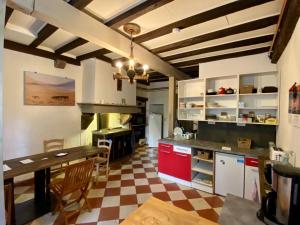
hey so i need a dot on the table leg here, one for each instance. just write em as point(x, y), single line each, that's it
point(12, 199)
point(41, 188)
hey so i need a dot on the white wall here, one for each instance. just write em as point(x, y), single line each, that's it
point(25, 127)
point(242, 65)
point(99, 85)
point(289, 69)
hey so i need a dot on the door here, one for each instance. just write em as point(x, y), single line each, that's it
point(165, 159)
point(155, 129)
point(182, 166)
point(229, 177)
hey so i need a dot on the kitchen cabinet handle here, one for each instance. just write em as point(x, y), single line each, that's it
point(165, 146)
point(165, 152)
point(183, 155)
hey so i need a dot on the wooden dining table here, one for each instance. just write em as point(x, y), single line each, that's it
point(41, 163)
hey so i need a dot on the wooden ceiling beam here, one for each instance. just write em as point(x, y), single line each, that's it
point(224, 56)
point(71, 45)
point(287, 24)
point(8, 13)
point(235, 44)
point(61, 14)
point(118, 21)
point(38, 52)
point(49, 29)
point(136, 12)
point(245, 27)
point(200, 18)
point(95, 54)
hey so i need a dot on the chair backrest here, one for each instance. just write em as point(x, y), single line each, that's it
point(53, 144)
point(8, 203)
point(105, 144)
point(77, 176)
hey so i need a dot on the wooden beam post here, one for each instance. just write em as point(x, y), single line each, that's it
point(2, 24)
point(171, 105)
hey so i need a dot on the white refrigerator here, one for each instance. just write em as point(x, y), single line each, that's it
point(155, 129)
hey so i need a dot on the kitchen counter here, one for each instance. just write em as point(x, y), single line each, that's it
point(111, 131)
point(216, 146)
point(237, 211)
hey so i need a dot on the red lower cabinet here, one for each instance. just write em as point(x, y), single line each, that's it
point(165, 159)
point(174, 163)
point(182, 165)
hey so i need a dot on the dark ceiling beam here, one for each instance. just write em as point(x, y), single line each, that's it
point(8, 13)
point(288, 21)
point(95, 54)
point(136, 12)
point(224, 56)
point(200, 18)
point(38, 52)
point(245, 27)
point(118, 21)
point(236, 44)
point(49, 29)
point(71, 45)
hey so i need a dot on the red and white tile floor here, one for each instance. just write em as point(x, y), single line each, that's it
point(129, 185)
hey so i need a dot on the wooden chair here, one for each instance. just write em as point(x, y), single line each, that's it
point(8, 203)
point(77, 178)
point(53, 145)
point(102, 162)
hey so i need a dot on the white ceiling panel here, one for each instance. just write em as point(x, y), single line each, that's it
point(184, 34)
point(22, 20)
point(83, 49)
point(222, 52)
point(270, 8)
point(175, 11)
point(18, 34)
point(58, 39)
point(231, 38)
point(107, 9)
point(113, 55)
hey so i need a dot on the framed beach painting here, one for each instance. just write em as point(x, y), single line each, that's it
point(42, 89)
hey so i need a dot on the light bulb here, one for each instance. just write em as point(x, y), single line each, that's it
point(131, 62)
point(145, 67)
point(119, 65)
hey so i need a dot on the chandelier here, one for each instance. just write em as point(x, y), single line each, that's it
point(132, 73)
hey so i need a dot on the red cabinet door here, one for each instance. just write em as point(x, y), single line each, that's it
point(165, 159)
point(182, 166)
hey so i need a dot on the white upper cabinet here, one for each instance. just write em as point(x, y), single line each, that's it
point(241, 98)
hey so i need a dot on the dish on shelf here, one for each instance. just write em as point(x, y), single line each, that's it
point(211, 93)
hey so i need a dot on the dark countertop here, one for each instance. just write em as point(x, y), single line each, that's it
point(239, 211)
point(111, 131)
point(216, 146)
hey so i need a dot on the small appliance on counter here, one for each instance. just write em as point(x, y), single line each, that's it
point(282, 205)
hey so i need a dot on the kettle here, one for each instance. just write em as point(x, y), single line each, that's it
point(221, 91)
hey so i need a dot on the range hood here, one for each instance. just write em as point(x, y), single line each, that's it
point(108, 108)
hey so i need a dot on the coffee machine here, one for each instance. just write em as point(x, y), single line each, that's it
point(281, 206)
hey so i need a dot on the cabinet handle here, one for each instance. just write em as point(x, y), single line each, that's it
point(182, 155)
point(165, 152)
point(165, 146)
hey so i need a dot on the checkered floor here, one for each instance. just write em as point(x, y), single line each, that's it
point(130, 184)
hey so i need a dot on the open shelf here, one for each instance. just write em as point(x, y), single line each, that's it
point(204, 160)
point(259, 94)
point(261, 104)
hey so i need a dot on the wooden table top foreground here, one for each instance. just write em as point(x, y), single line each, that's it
point(157, 212)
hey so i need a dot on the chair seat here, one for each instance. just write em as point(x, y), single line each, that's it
point(99, 159)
